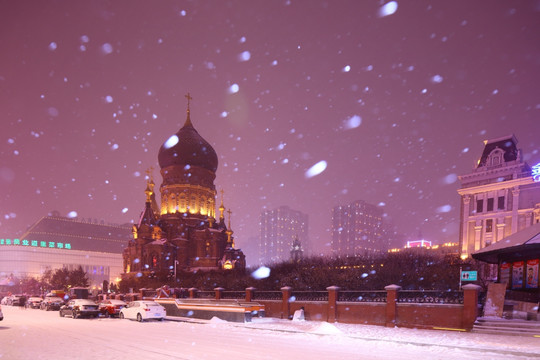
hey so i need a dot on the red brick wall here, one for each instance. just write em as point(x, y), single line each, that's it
point(411, 315)
point(272, 308)
point(362, 313)
point(429, 316)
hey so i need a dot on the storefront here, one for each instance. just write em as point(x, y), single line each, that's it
point(517, 257)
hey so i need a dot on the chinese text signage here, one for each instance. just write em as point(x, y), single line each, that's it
point(36, 243)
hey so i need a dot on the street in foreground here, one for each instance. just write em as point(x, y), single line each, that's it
point(37, 334)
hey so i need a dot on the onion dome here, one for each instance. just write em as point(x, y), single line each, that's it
point(187, 147)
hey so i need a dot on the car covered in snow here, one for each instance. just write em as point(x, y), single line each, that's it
point(34, 302)
point(51, 303)
point(141, 310)
point(77, 308)
point(111, 307)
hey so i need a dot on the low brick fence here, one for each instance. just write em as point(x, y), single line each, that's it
point(390, 307)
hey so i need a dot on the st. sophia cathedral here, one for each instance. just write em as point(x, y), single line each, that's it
point(184, 233)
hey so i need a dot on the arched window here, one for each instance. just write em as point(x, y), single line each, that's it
point(183, 205)
point(193, 205)
point(202, 209)
point(172, 204)
point(496, 157)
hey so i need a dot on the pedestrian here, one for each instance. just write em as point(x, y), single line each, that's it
point(22, 302)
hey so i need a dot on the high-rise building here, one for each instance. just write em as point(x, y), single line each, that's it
point(279, 228)
point(357, 229)
point(500, 197)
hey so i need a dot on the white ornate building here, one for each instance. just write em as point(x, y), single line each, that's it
point(500, 197)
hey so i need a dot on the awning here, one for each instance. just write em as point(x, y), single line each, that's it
point(525, 242)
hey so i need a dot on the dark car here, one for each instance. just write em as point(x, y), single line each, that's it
point(77, 308)
point(51, 303)
point(14, 300)
point(111, 307)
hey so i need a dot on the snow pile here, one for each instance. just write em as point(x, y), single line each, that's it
point(216, 320)
point(325, 328)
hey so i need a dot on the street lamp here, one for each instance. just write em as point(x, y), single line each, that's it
point(175, 262)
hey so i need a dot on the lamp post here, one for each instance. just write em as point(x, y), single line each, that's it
point(175, 262)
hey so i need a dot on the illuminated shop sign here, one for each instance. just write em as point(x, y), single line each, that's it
point(536, 172)
point(36, 243)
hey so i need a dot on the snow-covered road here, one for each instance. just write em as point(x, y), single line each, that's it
point(36, 334)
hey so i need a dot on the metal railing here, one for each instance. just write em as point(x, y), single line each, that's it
point(206, 294)
point(430, 297)
point(233, 295)
point(362, 296)
point(268, 295)
point(309, 296)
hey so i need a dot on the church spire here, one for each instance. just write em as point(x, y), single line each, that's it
point(149, 185)
point(229, 231)
point(188, 118)
point(221, 209)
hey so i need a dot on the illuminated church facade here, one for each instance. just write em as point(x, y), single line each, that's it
point(183, 233)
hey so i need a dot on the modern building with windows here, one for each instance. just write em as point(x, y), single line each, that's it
point(279, 229)
point(56, 242)
point(357, 229)
point(500, 197)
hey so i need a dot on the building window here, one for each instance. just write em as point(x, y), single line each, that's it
point(500, 203)
point(479, 205)
point(489, 225)
point(490, 202)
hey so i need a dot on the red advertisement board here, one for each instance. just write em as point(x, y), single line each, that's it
point(517, 274)
point(531, 274)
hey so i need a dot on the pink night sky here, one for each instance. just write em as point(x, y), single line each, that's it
point(395, 97)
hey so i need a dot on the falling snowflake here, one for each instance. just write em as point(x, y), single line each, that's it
point(234, 88)
point(436, 79)
point(244, 56)
point(353, 122)
point(106, 48)
point(173, 140)
point(316, 169)
point(261, 273)
point(444, 209)
point(388, 9)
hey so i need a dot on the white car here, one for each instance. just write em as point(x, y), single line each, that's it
point(141, 310)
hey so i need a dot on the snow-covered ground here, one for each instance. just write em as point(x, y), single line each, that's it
point(37, 334)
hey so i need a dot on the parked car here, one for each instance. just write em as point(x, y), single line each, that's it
point(34, 302)
point(141, 310)
point(79, 308)
point(51, 303)
point(14, 300)
point(111, 307)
